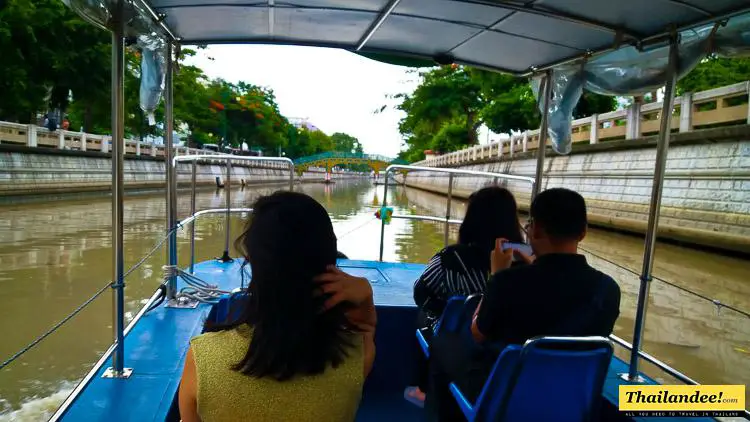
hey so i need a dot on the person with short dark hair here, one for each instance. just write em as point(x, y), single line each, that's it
point(462, 269)
point(305, 341)
point(558, 294)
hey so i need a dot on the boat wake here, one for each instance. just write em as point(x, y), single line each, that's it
point(35, 408)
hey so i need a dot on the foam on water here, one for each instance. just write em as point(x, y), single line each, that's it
point(35, 409)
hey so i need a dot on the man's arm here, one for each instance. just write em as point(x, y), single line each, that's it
point(486, 316)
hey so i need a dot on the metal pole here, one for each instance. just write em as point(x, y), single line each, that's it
point(192, 226)
point(382, 217)
point(291, 176)
point(228, 192)
point(653, 215)
point(118, 369)
point(171, 174)
point(448, 208)
point(547, 92)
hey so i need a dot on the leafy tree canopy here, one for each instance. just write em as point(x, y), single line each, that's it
point(446, 110)
point(53, 60)
point(715, 72)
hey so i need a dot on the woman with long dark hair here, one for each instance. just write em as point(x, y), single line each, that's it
point(305, 341)
point(463, 269)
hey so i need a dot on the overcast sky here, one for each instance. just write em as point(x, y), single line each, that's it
point(338, 91)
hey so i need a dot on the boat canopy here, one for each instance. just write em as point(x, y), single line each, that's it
point(608, 47)
point(512, 36)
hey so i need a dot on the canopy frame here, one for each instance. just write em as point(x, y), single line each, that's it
point(622, 36)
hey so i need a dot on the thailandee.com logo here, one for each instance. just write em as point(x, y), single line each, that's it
point(682, 400)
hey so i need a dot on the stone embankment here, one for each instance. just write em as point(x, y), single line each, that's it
point(28, 171)
point(706, 197)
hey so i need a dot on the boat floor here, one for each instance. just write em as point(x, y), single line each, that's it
point(157, 345)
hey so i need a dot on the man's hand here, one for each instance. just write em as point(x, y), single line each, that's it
point(346, 288)
point(500, 259)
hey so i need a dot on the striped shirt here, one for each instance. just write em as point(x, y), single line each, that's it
point(457, 270)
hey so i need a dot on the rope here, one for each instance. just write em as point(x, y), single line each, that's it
point(716, 302)
point(76, 311)
point(357, 228)
point(54, 327)
point(196, 288)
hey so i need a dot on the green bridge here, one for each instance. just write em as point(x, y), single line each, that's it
point(328, 160)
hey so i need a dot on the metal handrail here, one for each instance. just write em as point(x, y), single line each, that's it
point(194, 216)
point(172, 205)
point(451, 173)
point(425, 218)
point(659, 364)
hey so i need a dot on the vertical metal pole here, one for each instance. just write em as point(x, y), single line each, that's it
point(382, 217)
point(291, 177)
point(228, 192)
point(192, 213)
point(118, 154)
point(171, 173)
point(547, 92)
point(448, 208)
point(653, 215)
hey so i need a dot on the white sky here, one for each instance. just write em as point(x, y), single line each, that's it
point(338, 91)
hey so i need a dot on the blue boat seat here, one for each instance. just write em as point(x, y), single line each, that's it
point(456, 317)
point(228, 309)
point(450, 320)
point(549, 378)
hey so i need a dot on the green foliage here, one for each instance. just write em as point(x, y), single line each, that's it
point(49, 55)
point(715, 72)
point(445, 111)
point(346, 143)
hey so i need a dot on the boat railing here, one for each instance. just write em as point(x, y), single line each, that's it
point(172, 206)
point(194, 216)
point(452, 173)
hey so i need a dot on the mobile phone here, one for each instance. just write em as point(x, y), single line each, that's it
point(521, 247)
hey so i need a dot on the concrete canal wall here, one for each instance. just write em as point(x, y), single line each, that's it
point(36, 171)
point(706, 197)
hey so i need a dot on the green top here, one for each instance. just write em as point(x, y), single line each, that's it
point(227, 395)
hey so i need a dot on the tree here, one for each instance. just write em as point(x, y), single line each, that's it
point(53, 60)
point(714, 72)
point(343, 142)
point(446, 110)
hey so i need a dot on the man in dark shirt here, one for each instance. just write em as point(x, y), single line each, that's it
point(558, 293)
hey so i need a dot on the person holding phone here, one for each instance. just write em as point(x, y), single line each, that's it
point(557, 294)
point(462, 269)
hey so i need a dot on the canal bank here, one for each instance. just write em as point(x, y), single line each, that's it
point(706, 198)
point(29, 171)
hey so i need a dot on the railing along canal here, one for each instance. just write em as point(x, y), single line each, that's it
point(726, 105)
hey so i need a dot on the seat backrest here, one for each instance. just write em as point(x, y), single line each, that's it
point(450, 320)
point(550, 378)
point(467, 313)
point(470, 305)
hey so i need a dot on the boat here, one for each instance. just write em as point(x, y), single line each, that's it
point(561, 43)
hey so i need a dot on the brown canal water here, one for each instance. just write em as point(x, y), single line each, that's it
point(55, 255)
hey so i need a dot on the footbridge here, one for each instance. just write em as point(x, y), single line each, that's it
point(329, 160)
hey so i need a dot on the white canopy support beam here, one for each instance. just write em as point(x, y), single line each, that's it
point(389, 8)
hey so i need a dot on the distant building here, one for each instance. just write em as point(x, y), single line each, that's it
point(300, 122)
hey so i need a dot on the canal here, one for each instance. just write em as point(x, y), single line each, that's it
point(55, 255)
